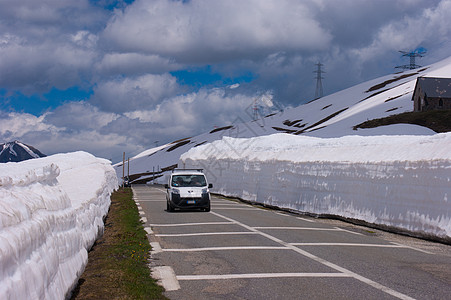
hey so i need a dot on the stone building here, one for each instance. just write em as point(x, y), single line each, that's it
point(432, 94)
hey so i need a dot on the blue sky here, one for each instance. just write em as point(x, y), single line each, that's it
point(111, 76)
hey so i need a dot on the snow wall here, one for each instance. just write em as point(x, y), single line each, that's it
point(398, 181)
point(51, 213)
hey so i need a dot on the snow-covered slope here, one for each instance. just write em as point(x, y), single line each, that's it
point(331, 116)
point(17, 151)
point(51, 213)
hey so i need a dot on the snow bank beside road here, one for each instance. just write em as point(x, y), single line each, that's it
point(399, 181)
point(51, 212)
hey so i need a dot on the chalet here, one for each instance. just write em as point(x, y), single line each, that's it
point(432, 94)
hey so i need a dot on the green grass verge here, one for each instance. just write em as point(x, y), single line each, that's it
point(118, 262)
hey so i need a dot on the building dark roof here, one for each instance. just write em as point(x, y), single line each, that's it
point(435, 87)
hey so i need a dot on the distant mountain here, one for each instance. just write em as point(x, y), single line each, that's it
point(17, 151)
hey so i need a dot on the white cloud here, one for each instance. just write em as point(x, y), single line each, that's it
point(200, 30)
point(431, 27)
point(15, 125)
point(195, 112)
point(82, 116)
point(48, 43)
point(85, 39)
point(38, 68)
point(127, 94)
point(135, 64)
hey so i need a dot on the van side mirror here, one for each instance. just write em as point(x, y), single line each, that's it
point(166, 186)
point(210, 185)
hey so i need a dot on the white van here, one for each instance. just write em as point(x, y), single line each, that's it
point(187, 189)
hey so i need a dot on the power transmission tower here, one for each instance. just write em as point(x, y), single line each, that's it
point(255, 110)
point(319, 82)
point(412, 55)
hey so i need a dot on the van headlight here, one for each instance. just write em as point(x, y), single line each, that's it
point(176, 191)
point(205, 191)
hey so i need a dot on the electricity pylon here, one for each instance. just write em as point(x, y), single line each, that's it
point(319, 82)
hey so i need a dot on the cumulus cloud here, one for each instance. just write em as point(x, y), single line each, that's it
point(82, 116)
point(202, 30)
point(39, 68)
point(127, 94)
point(43, 44)
point(432, 26)
point(133, 64)
point(428, 27)
point(196, 111)
point(15, 125)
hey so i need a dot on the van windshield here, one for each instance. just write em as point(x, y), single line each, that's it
point(188, 181)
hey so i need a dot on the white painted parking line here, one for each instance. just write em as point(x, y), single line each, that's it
point(233, 208)
point(148, 230)
point(349, 244)
point(282, 214)
point(191, 224)
point(413, 248)
point(307, 220)
point(227, 203)
point(296, 228)
point(143, 219)
point(226, 248)
point(142, 213)
point(166, 276)
point(258, 275)
point(152, 200)
point(204, 233)
point(363, 279)
point(348, 231)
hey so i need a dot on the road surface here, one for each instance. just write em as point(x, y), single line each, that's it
point(240, 251)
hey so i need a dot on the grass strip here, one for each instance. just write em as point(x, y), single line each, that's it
point(118, 262)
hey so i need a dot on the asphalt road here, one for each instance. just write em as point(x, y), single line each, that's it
point(239, 251)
